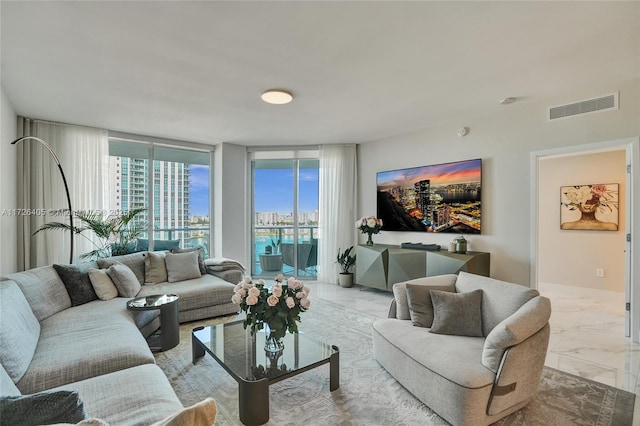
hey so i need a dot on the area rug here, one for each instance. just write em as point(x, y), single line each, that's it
point(368, 395)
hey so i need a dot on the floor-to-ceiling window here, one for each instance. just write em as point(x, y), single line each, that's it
point(171, 183)
point(285, 213)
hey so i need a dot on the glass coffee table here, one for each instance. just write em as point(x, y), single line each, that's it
point(243, 357)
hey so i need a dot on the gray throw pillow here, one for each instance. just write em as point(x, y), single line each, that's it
point(77, 283)
point(124, 279)
point(420, 306)
point(458, 314)
point(182, 266)
point(201, 265)
point(44, 408)
point(155, 270)
point(135, 261)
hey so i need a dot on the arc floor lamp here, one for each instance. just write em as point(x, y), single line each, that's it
point(64, 180)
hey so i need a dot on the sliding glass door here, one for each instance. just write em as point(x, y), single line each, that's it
point(285, 217)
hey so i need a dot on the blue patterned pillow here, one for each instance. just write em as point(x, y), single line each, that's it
point(42, 408)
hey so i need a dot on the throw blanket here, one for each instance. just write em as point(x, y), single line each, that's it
point(218, 264)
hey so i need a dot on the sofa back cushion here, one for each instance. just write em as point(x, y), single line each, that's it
point(19, 332)
point(44, 291)
point(500, 299)
point(135, 261)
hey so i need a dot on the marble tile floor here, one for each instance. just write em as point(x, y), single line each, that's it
point(587, 331)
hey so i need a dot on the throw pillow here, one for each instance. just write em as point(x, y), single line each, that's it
point(44, 408)
point(155, 269)
point(420, 306)
point(102, 284)
point(124, 279)
point(458, 314)
point(135, 261)
point(202, 413)
point(201, 265)
point(182, 266)
point(77, 283)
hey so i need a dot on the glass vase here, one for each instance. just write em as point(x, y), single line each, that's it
point(273, 346)
point(369, 240)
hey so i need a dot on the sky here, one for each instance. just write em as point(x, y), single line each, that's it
point(448, 173)
point(273, 190)
point(199, 191)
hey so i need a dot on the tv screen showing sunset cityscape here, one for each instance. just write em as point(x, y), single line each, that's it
point(437, 198)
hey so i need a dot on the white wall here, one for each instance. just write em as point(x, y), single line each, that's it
point(230, 202)
point(8, 186)
point(570, 257)
point(504, 142)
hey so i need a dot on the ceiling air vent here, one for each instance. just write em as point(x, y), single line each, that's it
point(588, 106)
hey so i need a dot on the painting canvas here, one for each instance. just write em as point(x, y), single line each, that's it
point(592, 207)
point(437, 198)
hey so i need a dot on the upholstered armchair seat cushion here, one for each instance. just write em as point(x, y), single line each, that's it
point(439, 352)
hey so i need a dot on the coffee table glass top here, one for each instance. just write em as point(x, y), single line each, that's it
point(155, 301)
point(243, 355)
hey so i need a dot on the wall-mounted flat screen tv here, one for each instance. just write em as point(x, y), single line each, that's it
point(438, 198)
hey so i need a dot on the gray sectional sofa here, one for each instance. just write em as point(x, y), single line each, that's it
point(472, 379)
point(97, 349)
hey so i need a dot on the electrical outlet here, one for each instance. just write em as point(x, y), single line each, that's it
point(599, 273)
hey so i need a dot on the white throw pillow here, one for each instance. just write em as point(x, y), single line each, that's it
point(102, 284)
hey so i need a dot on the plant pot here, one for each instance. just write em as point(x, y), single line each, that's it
point(345, 280)
point(271, 262)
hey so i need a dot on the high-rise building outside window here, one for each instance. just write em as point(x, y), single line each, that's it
point(171, 183)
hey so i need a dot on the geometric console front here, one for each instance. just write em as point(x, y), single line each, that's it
point(382, 265)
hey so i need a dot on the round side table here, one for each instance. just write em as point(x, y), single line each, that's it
point(169, 324)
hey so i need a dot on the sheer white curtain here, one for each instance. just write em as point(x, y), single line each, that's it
point(84, 156)
point(337, 208)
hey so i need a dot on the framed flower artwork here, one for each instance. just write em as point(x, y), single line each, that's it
point(591, 207)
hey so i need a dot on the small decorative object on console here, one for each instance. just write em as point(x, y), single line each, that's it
point(369, 225)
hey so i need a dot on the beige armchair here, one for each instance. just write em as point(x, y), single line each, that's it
point(467, 380)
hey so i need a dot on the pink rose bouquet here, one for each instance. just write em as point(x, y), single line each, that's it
point(279, 306)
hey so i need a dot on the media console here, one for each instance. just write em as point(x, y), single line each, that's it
point(381, 265)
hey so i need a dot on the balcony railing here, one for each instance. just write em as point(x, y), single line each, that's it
point(190, 236)
point(299, 259)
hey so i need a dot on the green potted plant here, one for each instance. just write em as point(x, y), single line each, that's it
point(346, 262)
point(117, 232)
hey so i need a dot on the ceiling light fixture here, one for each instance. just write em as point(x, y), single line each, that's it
point(277, 96)
point(507, 101)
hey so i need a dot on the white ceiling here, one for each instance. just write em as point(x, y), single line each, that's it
point(360, 71)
